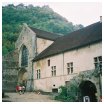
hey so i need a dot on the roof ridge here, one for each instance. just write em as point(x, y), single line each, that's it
point(84, 27)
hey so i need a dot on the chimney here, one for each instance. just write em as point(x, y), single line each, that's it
point(100, 19)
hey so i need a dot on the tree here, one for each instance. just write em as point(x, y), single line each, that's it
point(39, 17)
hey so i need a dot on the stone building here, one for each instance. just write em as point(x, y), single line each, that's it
point(67, 57)
point(29, 44)
point(48, 60)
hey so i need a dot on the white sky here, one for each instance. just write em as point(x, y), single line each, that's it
point(84, 13)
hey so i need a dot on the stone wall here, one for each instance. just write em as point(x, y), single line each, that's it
point(27, 38)
point(10, 71)
point(73, 86)
point(34, 46)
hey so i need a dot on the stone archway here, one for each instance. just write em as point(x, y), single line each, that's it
point(87, 88)
point(22, 77)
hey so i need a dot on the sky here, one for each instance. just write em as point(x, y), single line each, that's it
point(84, 13)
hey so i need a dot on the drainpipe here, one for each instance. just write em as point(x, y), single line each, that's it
point(63, 63)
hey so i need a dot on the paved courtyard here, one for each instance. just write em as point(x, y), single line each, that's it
point(27, 97)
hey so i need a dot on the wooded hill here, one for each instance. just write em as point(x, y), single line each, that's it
point(39, 17)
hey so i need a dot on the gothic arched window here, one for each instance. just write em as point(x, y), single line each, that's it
point(24, 58)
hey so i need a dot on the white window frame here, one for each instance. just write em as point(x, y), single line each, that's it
point(98, 62)
point(70, 68)
point(53, 70)
point(38, 74)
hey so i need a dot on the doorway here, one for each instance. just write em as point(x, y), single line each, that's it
point(87, 88)
point(22, 77)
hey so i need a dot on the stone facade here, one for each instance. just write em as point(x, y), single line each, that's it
point(26, 38)
point(34, 46)
point(10, 71)
point(77, 82)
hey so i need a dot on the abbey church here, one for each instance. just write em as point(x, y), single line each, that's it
point(48, 60)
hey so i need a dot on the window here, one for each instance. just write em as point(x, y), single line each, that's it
point(70, 68)
point(98, 62)
point(24, 58)
point(48, 62)
point(53, 70)
point(55, 90)
point(67, 83)
point(38, 74)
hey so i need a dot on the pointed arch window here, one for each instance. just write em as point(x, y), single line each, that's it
point(24, 58)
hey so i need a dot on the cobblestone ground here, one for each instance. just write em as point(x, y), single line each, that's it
point(27, 97)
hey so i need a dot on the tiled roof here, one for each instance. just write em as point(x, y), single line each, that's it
point(88, 35)
point(44, 34)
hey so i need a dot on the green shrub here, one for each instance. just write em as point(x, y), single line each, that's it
point(62, 96)
point(68, 93)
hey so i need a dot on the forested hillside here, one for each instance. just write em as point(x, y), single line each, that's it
point(40, 17)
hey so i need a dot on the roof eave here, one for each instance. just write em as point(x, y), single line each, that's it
point(34, 60)
point(45, 38)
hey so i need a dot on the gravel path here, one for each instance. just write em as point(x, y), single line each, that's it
point(27, 97)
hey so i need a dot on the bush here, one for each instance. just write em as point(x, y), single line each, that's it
point(68, 93)
point(62, 96)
